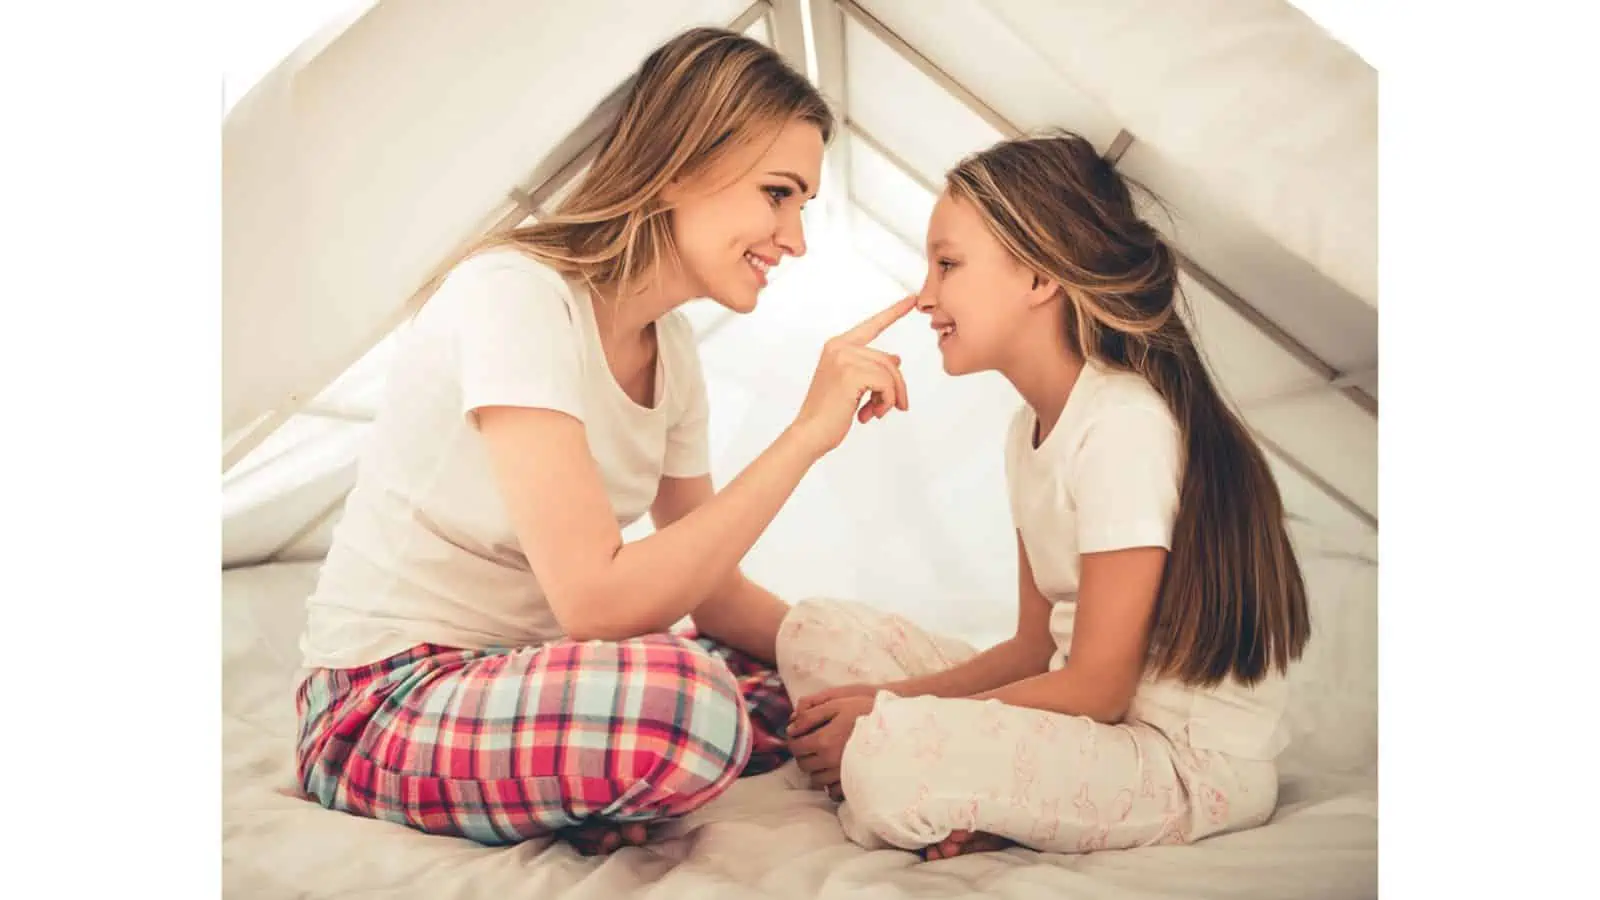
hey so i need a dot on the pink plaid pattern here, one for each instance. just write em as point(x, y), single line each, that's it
point(764, 696)
point(500, 746)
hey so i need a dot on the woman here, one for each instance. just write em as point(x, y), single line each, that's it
point(487, 658)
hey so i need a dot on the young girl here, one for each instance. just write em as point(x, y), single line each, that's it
point(1141, 700)
point(486, 658)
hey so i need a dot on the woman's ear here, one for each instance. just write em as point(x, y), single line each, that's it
point(1043, 291)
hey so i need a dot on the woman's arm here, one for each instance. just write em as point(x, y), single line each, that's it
point(1024, 654)
point(600, 588)
point(738, 612)
point(1116, 598)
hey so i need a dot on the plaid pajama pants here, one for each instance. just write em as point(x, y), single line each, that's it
point(499, 746)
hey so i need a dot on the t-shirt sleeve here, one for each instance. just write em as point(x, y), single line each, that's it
point(688, 452)
point(515, 340)
point(1126, 480)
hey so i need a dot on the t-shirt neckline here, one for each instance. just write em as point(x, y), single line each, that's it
point(1037, 447)
point(592, 335)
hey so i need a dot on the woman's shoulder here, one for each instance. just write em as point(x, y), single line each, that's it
point(506, 265)
point(506, 286)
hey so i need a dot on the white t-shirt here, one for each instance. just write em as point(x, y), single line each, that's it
point(425, 550)
point(1107, 477)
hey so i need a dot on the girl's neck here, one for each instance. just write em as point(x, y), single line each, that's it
point(1044, 373)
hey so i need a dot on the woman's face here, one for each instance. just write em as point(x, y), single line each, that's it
point(743, 216)
point(977, 296)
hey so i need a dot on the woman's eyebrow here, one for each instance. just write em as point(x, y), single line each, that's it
point(804, 187)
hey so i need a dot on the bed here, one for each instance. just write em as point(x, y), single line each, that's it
point(767, 837)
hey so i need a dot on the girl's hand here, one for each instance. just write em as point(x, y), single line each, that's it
point(833, 693)
point(818, 736)
point(848, 371)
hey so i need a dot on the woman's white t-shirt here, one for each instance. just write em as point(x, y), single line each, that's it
point(1107, 477)
point(425, 551)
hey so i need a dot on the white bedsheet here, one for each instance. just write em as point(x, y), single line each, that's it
point(762, 839)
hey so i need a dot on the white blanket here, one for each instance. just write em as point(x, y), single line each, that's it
point(764, 838)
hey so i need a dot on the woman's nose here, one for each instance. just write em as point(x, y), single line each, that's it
point(791, 236)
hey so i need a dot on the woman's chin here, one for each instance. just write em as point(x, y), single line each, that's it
point(736, 301)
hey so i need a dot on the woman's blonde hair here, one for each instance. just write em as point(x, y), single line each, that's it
point(1232, 602)
point(696, 100)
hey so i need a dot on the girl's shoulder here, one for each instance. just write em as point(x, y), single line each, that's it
point(1115, 390)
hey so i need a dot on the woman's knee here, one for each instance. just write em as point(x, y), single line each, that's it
point(693, 732)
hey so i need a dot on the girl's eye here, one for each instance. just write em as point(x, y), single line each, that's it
point(779, 194)
point(946, 265)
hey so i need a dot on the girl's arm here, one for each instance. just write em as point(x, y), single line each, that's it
point(1024, 654)
point(1116, 598)
point(738, 612)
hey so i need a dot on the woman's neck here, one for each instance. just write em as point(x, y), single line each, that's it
point(625, 318)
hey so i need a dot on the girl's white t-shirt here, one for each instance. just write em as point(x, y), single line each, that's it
point(425, 551)
point(1107, 477)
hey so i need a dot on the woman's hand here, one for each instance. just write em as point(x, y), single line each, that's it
point(818, 735)
point(848, 371)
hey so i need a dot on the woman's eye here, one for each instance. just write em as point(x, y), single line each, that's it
point(779, 194)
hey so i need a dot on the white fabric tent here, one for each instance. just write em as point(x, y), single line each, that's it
point(399, 133)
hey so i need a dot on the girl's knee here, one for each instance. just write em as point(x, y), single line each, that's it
point(817, 630)
point(808, 618)
point(1254, 795)
point(798, 634)
point(886, 775)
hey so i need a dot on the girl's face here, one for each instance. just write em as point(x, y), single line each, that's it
point(743, 216)
point(977, 296)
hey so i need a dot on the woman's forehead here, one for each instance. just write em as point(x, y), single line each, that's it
point(797, 148)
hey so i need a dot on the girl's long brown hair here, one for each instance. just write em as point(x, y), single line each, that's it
point(1232, 599)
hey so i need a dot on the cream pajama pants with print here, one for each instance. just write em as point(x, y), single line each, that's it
point(917, 768)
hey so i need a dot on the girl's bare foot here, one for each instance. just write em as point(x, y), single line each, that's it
point(961, 842)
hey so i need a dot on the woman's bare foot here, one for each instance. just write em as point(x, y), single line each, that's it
point(961, 842)
point(601, 838)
